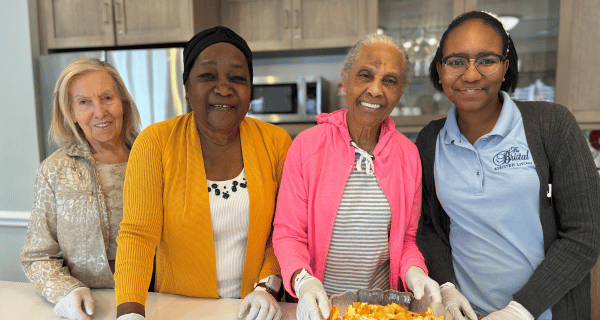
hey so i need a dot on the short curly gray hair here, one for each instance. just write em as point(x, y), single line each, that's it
point(382, 39)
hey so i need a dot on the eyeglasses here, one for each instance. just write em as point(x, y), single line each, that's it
point(486, 65)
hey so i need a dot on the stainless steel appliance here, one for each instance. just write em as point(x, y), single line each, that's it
point(152, 77)
point(278, 99)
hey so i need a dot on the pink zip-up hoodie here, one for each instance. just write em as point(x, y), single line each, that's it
point(316, 169)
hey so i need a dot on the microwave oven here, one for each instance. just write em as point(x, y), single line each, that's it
point(286, 100)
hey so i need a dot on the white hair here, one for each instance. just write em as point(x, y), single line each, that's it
point(380, 39)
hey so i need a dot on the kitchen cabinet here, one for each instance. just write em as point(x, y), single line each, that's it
point(419, 25)
point(80, 24)
point(269, 25)
point(577, 78)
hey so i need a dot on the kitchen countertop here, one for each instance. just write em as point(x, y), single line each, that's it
point(19, 300)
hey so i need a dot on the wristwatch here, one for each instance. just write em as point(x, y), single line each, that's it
point(271, 284)
point(263, 286)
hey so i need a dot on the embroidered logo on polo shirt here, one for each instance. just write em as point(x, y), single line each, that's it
point(512, 158)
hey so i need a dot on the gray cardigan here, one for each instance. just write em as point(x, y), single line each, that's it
point(570, 219)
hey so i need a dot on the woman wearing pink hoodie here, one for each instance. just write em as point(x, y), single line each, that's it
point(350, 196)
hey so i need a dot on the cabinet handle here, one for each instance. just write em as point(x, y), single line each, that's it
point(286, 19)
point(105, 13)
point(119, 21)
point(117, 12)
point(296, 18)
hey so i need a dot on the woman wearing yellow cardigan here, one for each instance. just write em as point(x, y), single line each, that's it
point(200, 191)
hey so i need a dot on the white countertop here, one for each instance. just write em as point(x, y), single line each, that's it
point(19, 300)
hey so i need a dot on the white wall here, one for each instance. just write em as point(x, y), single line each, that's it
point(12, 239)
point(19, 150)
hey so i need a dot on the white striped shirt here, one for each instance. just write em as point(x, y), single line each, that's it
point(230, 214)
point(359, 256)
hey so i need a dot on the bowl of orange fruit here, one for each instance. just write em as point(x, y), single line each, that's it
point(378, 304)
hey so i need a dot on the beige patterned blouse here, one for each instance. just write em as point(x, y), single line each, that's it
point(112, 178)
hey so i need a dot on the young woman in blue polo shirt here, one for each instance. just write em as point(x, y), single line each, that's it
point(510, 223)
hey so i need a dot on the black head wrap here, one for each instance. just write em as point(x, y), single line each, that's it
point(208, 37)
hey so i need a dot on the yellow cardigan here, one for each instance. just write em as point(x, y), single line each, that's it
point(166, 208)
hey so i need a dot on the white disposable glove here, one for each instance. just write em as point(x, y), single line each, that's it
point(418, 282)
point(76, 305)
point(313, 303)
point(455, 303)
point(262, 306)
point(131, 316)
point(513, 311)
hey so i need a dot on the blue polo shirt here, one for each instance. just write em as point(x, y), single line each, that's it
point(490, 191)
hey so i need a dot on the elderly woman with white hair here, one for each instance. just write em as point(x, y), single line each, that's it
point(78, 204)
point(350, 197)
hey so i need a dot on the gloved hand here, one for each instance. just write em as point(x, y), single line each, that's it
point(455, 303)
point(417, 282)
point(513, 311)
point(131, 316)
point(262, 306)
point(313, 303)
point(76, 305)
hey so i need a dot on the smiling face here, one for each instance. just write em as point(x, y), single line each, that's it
point(98, 109)
point(472, 91)
point(219, 89)
point(374, 85)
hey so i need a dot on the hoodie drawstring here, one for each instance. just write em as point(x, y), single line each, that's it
point(366, 157)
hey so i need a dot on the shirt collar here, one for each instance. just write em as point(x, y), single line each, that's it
point(79, 150)
point(451, 130)
point(502, 127)
point(504, 123)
